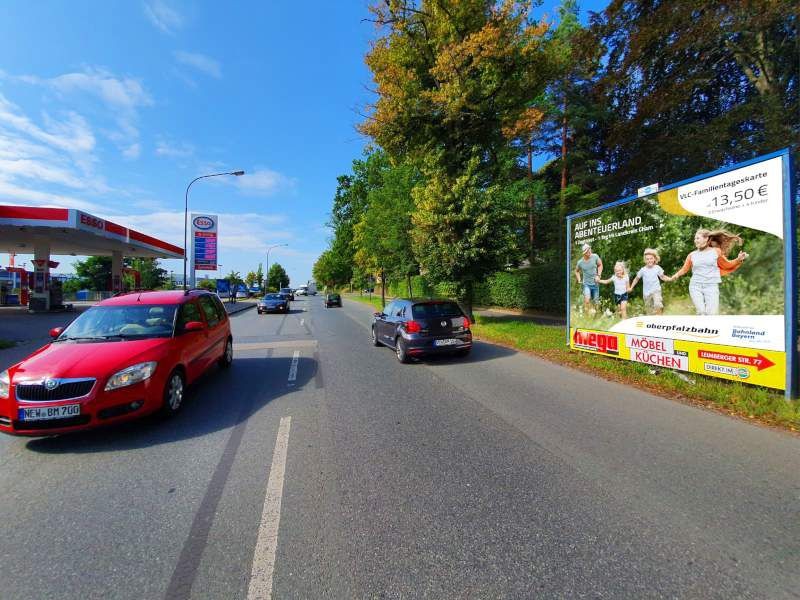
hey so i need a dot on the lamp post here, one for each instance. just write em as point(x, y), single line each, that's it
point(266, 278)
point(186, 216)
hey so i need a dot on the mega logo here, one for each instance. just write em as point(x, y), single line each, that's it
point(599, 342)
point(203, 223)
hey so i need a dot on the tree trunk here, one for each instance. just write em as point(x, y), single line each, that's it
point(383, 289)
point(562, 209)
point(410, 291)
point(469, 292)
point(531, 225)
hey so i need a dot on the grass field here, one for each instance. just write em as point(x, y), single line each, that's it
point(548, 341)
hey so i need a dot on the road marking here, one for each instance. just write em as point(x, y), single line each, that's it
point(277, 344)
point(302, 322)
point(267, 543)
point(293, 367)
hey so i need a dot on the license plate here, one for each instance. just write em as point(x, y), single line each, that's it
point(447, 342)
point(49, 412)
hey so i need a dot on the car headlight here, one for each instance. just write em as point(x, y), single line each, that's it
point(131, 375)
point(5, 383)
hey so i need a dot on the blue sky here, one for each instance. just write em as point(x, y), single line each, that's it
point(113, 107)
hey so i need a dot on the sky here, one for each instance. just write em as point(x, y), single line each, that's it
point(114, 107)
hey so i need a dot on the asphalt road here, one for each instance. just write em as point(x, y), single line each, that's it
point(320, 465)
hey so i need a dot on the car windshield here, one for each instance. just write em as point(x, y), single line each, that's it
point(273, 297)
point(436, 310)
point(109, 322)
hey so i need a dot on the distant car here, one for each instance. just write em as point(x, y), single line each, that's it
point(301, 291)
point(272, 303)
point(415, 328)
point(287, 293)
point(333, 300)
point(123, 358)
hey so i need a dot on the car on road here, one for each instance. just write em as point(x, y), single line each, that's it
point(287, 293)
point(416, 328)
point(333, 300)
point(301, 291)
point(126, 357)
point(273, 303)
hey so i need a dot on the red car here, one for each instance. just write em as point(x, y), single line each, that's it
point(124, 358)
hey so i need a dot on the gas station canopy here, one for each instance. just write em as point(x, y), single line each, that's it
point(74, 232)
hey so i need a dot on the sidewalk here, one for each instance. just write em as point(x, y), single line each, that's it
point(516, 314)
point(239, 306)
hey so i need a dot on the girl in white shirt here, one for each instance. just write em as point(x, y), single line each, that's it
point(621, 280)
point(708, 264)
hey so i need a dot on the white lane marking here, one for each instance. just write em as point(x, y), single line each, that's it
point(302, 321)
point(293, 367)
point(267, 543)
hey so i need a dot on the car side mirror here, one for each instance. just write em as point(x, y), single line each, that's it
point(55, 332)
point(193, 326)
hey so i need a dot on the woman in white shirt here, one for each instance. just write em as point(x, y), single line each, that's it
point(708, 264)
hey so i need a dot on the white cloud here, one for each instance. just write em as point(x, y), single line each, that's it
point(28, 197)
point(199, 62)
point(71, 135)
point(162, 16)
point(121, 96)
point(245, 232)
point(263, 182)
point(173, 150)
point(133, 151)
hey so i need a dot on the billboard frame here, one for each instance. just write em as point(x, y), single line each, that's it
point(790, 252)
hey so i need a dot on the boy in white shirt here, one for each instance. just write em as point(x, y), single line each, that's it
point(650, 274)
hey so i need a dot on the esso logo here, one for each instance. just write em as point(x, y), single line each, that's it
point(203, 223)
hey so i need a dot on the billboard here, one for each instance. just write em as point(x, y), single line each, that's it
point(204, 242)
point(697, 276)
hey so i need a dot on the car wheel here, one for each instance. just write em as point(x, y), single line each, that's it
point(227, 358)
point(375, 341)
point(400, 351)
point(173, 394)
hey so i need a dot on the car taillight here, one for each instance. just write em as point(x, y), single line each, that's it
point(413, 327)
point(466, 323)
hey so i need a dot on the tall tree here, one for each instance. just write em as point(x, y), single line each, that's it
point(277, 276)
point(94, 273)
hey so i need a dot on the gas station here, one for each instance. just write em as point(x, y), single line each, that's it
point(44, 232)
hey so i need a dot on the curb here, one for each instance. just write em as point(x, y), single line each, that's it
point(233, 309)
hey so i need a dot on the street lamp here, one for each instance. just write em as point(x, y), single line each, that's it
point(266, 279)
point(186, 216)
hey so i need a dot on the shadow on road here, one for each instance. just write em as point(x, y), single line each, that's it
point(481, 352)
point(219, 400)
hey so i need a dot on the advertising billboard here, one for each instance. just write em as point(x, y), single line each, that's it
point(204, 242)
point(697, 276)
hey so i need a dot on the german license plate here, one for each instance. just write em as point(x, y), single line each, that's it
point(49, 412)
point(447, 342)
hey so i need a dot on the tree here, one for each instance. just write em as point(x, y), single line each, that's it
point(208, 284)
point(464, 227)
point(94, 273)
point(260, 275)
point(151, 274)
point(251, 279)
point(277, 277)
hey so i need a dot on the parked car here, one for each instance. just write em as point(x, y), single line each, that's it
point(123, 358)
point(273, 303)
point(416, 328)
point(333, 300)
point(287, 293)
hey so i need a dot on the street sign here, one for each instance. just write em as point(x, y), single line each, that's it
point(204, 242)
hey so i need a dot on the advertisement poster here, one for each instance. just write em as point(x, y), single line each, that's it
point(204, 237)
point(690, 277)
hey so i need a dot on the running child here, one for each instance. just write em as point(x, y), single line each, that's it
point(708, 264)
point(650, 274)
point(621, 281)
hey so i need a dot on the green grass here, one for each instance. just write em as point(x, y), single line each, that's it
point(6, 344)
point(549, 342)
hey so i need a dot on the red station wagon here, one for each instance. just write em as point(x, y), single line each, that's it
point(123, 358)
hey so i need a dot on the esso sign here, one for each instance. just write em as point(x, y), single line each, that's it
point(203, 223)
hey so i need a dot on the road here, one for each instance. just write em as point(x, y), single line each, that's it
point(320, 467)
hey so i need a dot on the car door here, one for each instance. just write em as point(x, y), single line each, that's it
point(383, 324)
point(193, 343)
point(395, 319)
point(216, 330)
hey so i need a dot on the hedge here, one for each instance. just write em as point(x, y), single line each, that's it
point(540, 287)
